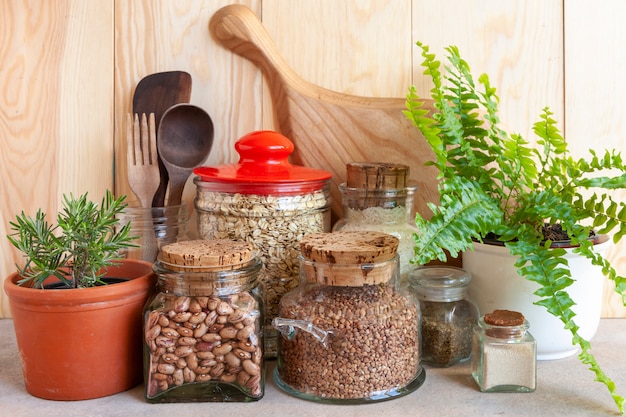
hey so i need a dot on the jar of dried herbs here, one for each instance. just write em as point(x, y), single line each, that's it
point(350, 333)
point(448, 318)
point(267, 201)
point(379, 196)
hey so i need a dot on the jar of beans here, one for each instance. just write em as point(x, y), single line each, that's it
point(349, 332)
point(203, 327)
point(266, 201)
point(448, 318)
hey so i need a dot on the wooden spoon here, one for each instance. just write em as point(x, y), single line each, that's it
point(155, 93)
point(185, 140)
point(329, 129)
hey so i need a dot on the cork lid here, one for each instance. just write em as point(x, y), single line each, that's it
point(504, 318)
point(213, 254)
point(350, 258)
point(376, 175)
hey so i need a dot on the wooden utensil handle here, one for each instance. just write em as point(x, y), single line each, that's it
point(241, 31)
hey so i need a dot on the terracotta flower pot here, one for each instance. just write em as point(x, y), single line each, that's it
point(78, 344)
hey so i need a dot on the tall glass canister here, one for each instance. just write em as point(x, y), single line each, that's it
point(265, 200)
point(350, 333)
point(203, 328)
point(379, 196)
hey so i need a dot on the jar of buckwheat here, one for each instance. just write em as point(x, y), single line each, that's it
point(349, 332)
point(203, 332)
point(266, 201)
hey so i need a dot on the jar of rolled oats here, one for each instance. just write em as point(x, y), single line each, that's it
point(266, 201)
point(203, 328)
point(349, 333)
point(379, 196)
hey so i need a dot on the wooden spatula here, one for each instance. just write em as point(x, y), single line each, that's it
point(155, 93)
point(329, 129)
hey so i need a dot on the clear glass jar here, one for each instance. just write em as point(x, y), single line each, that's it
point(265, 200)
point(156, 227)
point(203, 332)
point(350, 334)
point(378, 196)
point(505, 354)
point(448, 318)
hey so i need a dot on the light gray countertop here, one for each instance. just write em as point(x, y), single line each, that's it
point(564, 388)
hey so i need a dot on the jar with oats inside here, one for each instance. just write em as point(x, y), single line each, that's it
point(203, 333)
point(349, 333)
point(265, 200)
point(379, 196)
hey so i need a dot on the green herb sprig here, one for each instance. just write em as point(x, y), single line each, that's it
point(78, 248)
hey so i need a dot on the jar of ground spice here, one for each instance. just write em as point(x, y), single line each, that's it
point(448, 318)
point(350, 334)
point(504, 354)
point(267, 201)
point(203, 327)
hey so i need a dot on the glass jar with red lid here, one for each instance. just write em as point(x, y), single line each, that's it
point(267, 201)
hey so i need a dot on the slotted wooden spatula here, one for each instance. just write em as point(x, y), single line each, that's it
point(329, 129)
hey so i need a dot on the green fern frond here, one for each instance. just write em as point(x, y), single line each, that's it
point(466, 213)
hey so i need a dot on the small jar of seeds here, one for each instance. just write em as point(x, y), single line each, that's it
point(203, 333)
point(448, 318)
point(349, 333)
point(266, 201)
point(379, 196)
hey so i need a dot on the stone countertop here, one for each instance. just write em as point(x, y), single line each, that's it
point(564, 387)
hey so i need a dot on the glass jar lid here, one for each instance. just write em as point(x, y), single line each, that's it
point(440, 283)
point(263, 168)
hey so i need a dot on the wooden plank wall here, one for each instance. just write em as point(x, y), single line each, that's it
point(68, 70)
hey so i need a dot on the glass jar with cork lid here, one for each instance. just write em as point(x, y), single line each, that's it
point(379, 196)
point(267, 201)
point(203, 333)
point(504, 353)
point(349, 332)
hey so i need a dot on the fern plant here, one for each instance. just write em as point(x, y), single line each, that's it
point(493, 183)
point(78, 248)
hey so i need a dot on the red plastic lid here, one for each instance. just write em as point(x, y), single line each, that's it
point(263, 168)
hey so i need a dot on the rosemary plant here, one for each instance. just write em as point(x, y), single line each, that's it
point(78, 248)
point(493, 183)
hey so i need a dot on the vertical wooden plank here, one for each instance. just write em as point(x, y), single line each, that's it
point(55, 108)
point(517, 43)
point(354, 47)
point(359, 47)
point(595, 64)
point(155, 36)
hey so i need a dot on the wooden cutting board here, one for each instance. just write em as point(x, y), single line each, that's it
point(329, 129)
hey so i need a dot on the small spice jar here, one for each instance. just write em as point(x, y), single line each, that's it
point(448, 318)
point(505, 353)
point(203, 327)
point(349, 333)
point(265, 200)
point(378, 196)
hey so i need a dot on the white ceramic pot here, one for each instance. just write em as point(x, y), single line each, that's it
point(495, 284)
